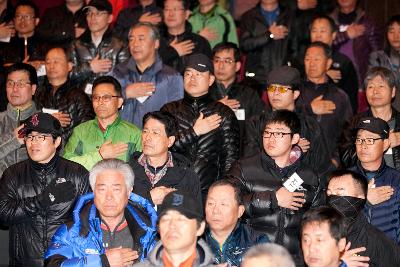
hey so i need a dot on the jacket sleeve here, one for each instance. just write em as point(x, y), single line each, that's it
point(232, 36)
point(230, 142)
point(88, 160)
point(8, 143)
point(249, 40)
point(175, 88)
point(61, 253)
point(123, 54)
point(252, 143)
point(81, 70)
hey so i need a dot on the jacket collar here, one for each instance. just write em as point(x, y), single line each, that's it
point(87, 37)
point(186, 34)
point(268, 164)
point(116, 122)
point(199, 102)
point(378, 172)
point(45, 167)
point(61, 89)
point(23, 114)
point(152, 70)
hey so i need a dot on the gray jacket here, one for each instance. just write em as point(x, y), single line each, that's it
point(11, 150)
point(204, 257)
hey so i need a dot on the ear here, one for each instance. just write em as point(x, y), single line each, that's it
point(187, 14)
point(295, 139)
point(37, 21)
point(393, 92)
point(329, 64)
point(171, 140)
point(212, 79)
point(296, 94)
point(57, 143)
point(33, 89)
point(334, 35)
point(241, 211)
point(110, 18)
point(120, 102)
point(342, 244)
point(238, 65)
point(200, 231)
point(70, 66)
point(386, 144)
point(156, 44)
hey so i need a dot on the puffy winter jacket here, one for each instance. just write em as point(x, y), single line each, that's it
point(11, 151)
point(260, 178)
point(32, 226)
point(236, 245)
point(83, 51)
point(81, 243)
point(68, 98)
point(168, 82)
point(212, 153)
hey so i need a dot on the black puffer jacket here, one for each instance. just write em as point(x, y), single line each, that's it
point(31, 226)
point(347, 148)
point(213, 153)
point(260, 178)
point(68, 98)
point(83, 51)
point(263, 52)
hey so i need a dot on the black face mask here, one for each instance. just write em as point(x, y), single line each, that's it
point(349, 207)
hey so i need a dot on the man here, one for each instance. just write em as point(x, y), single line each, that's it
point(26, 45)
point(226, 235)
point(265, 39)
point(267, 255)
point(213, 22)
point(347, 193)
point(243, 100)
point(178, 41)
point(70, 104)
point(321, 99)
point(372, 140)
point(323, 240)
point(107, 136)
point(37, 194)
point(147, 83)
point(283, 90)
point(159, 171)
point(380, 90)
point(342, 71)
point(208, 132)
point(111, 227)
point(146, 11)
point(271, 186)
point(61, 24)
point(21, 84)
point(96, 52)
point(180, 223)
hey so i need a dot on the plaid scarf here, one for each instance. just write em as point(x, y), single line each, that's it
point(156, 176)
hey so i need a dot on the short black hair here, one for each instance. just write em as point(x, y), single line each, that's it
point(109, 80)
point(358, 179)
point(386, 74)
point(227, 46)
point(332, 23)
point(29, 3)
point(326, 48)
point(335, 220)
point(30, 70)
point(185, 4)
point(165, 118)
point(286, 117)
point(234, 184)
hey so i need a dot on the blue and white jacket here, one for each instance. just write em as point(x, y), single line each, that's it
point(81, 243)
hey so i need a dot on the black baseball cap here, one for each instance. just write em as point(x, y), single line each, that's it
point(374, 125)
point(284, 75)
point(183, 203)
point(100, 5)
point(42, 123)
point(200, 62)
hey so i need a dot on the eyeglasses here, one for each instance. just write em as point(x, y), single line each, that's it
point(105, 98)
point(175, 9)
point(95, 13)
point(39, 138)
point(217, 60)
point(268, 134)
point(23, 17)
point(18, 84)
point(281, 89)
point(367, 141)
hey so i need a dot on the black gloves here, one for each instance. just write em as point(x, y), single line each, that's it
point(58, 191)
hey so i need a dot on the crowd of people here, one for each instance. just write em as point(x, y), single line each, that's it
point(179, 133)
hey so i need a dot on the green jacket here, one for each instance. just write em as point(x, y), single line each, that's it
point(215, 19)
point(86, 139)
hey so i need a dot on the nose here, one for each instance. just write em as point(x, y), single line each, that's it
point(109, 194)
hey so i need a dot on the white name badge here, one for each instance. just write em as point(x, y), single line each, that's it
point(343, 28)
point(293, 183)
point(240, 114)
point(49, 110)
point(141, 99)
point(88, 88)
point(389, 151)
point(41, 71)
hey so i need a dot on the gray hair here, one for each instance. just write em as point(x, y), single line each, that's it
point(386, 74)
point(112, 164)
point(154, 32)
point(277, 254)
